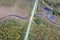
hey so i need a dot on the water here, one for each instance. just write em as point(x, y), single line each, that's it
point(51, 18)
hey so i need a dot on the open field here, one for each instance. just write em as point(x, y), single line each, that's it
point(41, 30)
point(13, 28)
point(19, 7)
point(14, 19)
point(10, 29)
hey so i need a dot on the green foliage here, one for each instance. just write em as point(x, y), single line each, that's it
point(43, 31)
point(56, 12)
point(23, 31)
point(38, 21)
point(53, 2)
point(12, 29)
point(52, 5)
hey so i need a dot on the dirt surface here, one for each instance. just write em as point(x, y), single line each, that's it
point(12, 10)
point(21, 8)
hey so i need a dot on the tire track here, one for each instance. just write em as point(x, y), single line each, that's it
point(13, 16)
point(20, 17)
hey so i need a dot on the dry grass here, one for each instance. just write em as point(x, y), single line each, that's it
point(44, 31)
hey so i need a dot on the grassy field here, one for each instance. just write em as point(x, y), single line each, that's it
point(7, 2)
point(41, 30)
point(11, 29)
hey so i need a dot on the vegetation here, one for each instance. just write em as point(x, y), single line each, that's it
point(53, 6)
point(44, 31)
point(7, 2)
point(54, 2)
point(37, 20)
point(11, 29)
point(56, 12)
point(15, 30)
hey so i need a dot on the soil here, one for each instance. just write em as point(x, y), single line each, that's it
point(4, 11)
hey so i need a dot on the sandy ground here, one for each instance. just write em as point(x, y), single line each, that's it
point(12, 10)
point(23, 10)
